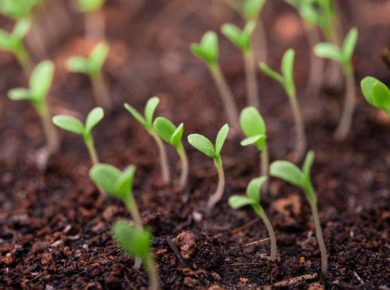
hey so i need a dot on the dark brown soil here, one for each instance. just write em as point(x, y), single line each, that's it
point(54, 234)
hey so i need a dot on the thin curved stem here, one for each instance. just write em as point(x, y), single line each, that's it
point(264, 158)
point(226, 96)
point(184, 166)
point(315, 79)
point(216, 197)
point(349, 107)
point(91, 149)
point(151, 267)
point(52, 139)
point(251, 82)
point(274, 250)
point(300, 128)
point(101, 92)
point(320, 238)
point(163, 159)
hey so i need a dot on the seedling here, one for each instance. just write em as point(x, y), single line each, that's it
point(242, 40)
point(40, 83)
point(73, 125)
point(118, 184)
point(208, 51)
point(253, 126)
point(343, 56)
point(377, 94)
point(147, 122)
point(173, 135)
point(13, 43)
point(17, 9)
point(213, 151)
point(253, 192)
point(290, 173)
point(136, 242)
point(94, 23)
point(92, 67)
point(286, 79)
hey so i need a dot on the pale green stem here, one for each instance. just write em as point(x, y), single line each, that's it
point(300, 127)
point(274, 251)
point(264, 157)
point(49, 129)
point(184, 166)
point(316, 64)
point(132, 206)
point(217, 195)
point(226, 96)
point(91, 149)
point(349, 106)
point(251, 82)
point(151, 267)
point(101, 92)
point(163, 159)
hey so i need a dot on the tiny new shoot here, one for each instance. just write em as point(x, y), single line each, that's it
point(13, 43)
point(94, 22)
point(343, 56)
point(40, 82)
point(253, 126)
point(286, 79)
point(147, 122)
point(242, 40)
point(173, 135)
point(208, 51)
point(376, 93)
point(213, 151)
point(136, 242)
point(253, 192)
point(118, 184)
point(290, 173)
point(92, 67)
point(73, 125)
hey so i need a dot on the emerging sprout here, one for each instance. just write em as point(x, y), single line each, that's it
point(253, 126)
point(286, 79)
point(94, 23)
point(92, 67)
point(73, 125)
point(242, 40)
point(17, 9)
point(13, 43)
point(136, 242)
point(207, 50)
point(173, 135)
point(343, 56)
point(376, 93)
point(40, 83)
point(147, 122)
point(117, 184)
point(209, 149)
point(253, 192)
point(290, 173)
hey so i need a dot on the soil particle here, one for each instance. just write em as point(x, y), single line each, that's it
point(186, 243)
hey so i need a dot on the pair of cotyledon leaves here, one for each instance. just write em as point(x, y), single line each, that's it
point(13, 41)
point(376, 93)
point(253, 126)
point(253, 196)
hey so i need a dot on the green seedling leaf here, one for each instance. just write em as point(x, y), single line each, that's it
point(135, 114)
point(125, 182)
point(93, 118)
point(287, 70)
point(164, 128)
point(177, 135)
point(288, 172)
point(253, 127)
point(376, 93)
point(251, 8)
point(240, 38)
point(238, 201)
point(19, 94)
point(253, 189)
point(207, 49)
point(349, 44)
point(97, 58)
point(271, 73)
point(328, 50)
point(150, 108)
point(41, 80)
point(13, 42)
point(17, 9)
point(69, 123)
point(136, 242)
point(78, 64)
point(89, 5)
point(21, 29)
point(221, 138)
point(106, 176)
point(203, 144)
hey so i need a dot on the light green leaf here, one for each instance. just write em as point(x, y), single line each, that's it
point(135, 114)
point(6, 41)
point(93, 118)
point(287, 70)
point(97, 58)
point(251, 8)
point(124, 184)
point(237, 201)
point(252, 124)
point(69, 123)
point(203, 144)
point(328, 50)
point(150, 108)
point(177, 136)
point(221, 138)
point(105, 176)
point(288, 172)
point(19, 94)
point(376, 93)
point(349, 44)
point(90, 5)
point(307, 165)
point(164, 128)
point(254, 189)
point(207, 50)
point(252, 140)
point(271, 73)
point(22, 27)
point(41, 80)
point(78, 64)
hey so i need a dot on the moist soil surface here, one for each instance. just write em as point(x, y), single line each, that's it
point(55, 230)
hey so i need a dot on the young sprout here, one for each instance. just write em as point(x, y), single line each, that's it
point(286, 79)
point(253, 192)
point(94, 23)
point(92, 67)
point(136, 242)
point(376, 93)
point(343, 56)
point(117, 184)
point(207, 50)
point(40, 83)
point(253, 126)
point(173, 135)
point(209, 149)
point(13, 43)
point(73, 125)
point(290, 173)
point(242, 40)
point(147, 122)
point(17, 9)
